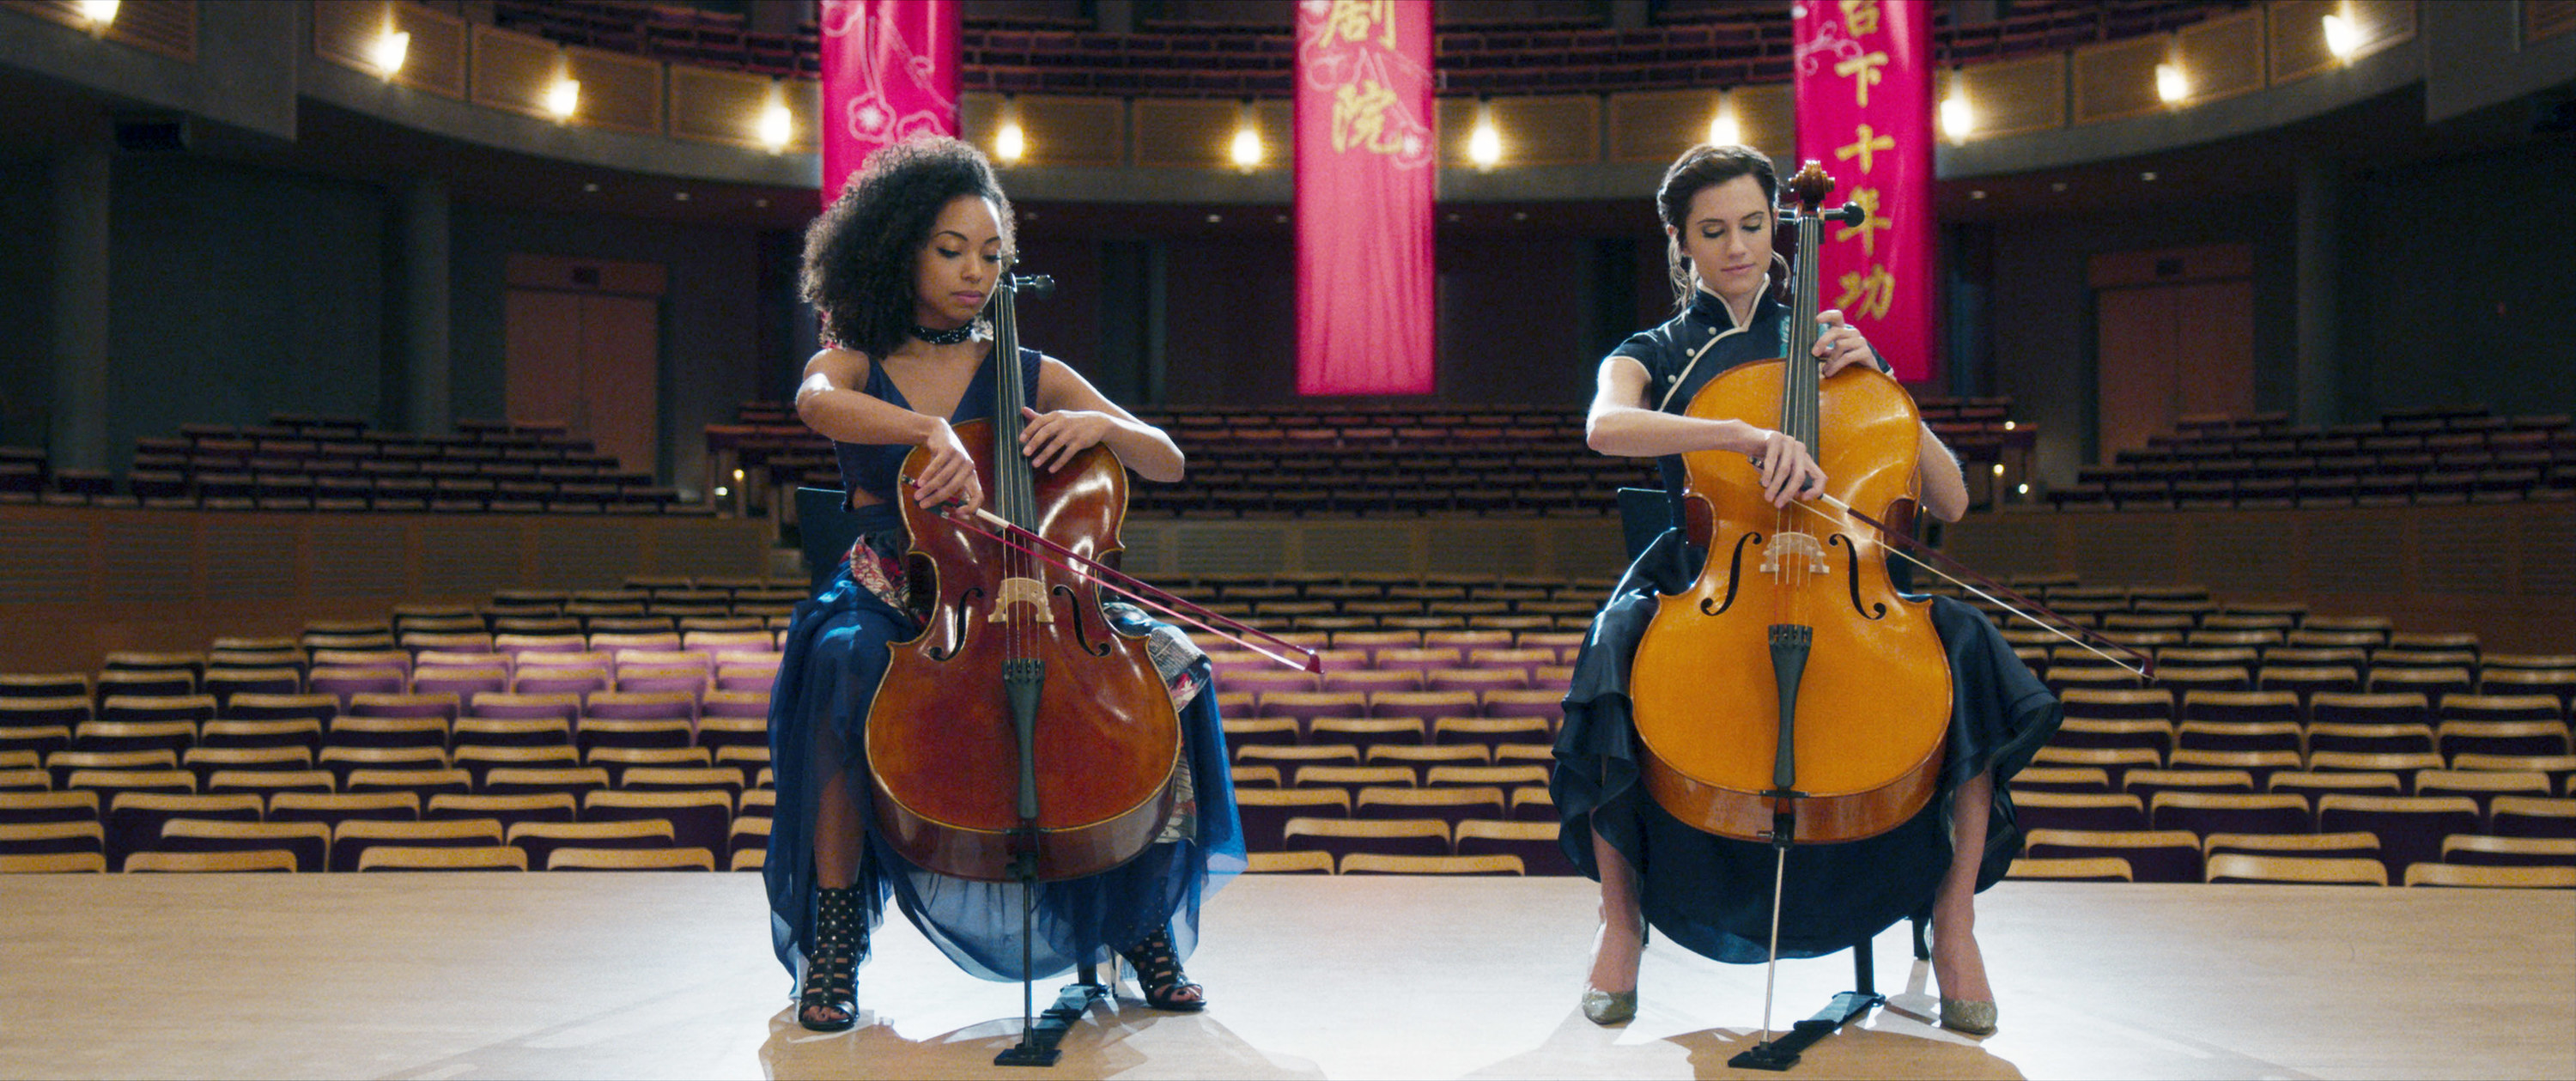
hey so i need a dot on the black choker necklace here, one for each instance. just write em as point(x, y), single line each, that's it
point(950, 336)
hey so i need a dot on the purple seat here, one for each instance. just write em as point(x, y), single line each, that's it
point(526, 707)
point(464, 683)
point(1261, 731)
point(540, 839)
point(699, 819)
point(1372, 681)
point(423, 704)
point(346, 683)
point(1427, 706)
point(1383, 836)
point(1305, 706)
point(533, 679)
point(1446, 804)
point(641, 706)
point(1366, 732)
point(508, 810)
point(1265, 812)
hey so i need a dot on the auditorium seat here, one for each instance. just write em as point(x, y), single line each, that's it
point(2326, 845)
point(2311, 785)
point(2542, 737)
point(19, 808)
point(540, 839)
point(1373, 863)
point(1274, 863)
point(2410, 828)
point(576, 858)
point(1365, 733)
point(2090, 869)
point(2147, 783)
point(308, 842)
point(2482, 786)
point(2404, 766)
point(21, 840)
point(2238, 736)
point(1344, 837)
point(507, 810)
point(351, 839)
point(2484, 851)
point(1265, 813)
point(2261, 764)
point(440, 858)
point(1449, 804)
point(2153, 856)
point(2370, 738)
point(2086, 780)
point(2438, 874)
point(2300, 870)
point(263, 859)
point(1533, 843)
point(2229, 812)
point(1241, 732)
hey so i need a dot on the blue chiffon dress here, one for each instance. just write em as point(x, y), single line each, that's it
point(835, 654)
point(1711, 894)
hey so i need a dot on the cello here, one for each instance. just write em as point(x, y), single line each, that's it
point(1847, 737)
point(1846, 740)
point(1020, 736)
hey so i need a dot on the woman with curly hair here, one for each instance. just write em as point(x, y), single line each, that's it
point(899, 269)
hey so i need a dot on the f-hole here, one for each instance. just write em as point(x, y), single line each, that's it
point(1874, 611)
point(957, 623)
point(1073, 604)
point(1734, 576)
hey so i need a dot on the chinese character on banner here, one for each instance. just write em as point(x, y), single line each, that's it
point(1863, 77)
point(1364, 151)
point(890, 72)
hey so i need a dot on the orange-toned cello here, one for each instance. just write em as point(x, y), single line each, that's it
point(1846, 740)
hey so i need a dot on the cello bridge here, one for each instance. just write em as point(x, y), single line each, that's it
point(1788, 549)
point(1019, 591)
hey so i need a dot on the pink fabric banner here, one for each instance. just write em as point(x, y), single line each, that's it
point(1365, 177)
point(1864, 87)
point(889, 72)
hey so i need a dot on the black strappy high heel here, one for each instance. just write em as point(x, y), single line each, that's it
point(832, 966)
point(1158, 972)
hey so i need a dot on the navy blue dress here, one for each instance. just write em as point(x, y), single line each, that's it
point(1712, 894)
point(836, 652)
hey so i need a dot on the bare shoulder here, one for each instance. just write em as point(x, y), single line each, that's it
point(845, 368)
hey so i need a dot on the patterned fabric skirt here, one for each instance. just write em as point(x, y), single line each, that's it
point(1712, 894)
point(835, 655)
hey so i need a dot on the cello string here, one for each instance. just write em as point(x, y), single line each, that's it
point(1996, 601)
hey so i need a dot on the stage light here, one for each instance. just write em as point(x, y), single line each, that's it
point(2170, 85)
point(1247, 138)
point(389, 51)
point(2342, 37)
point(1010, 143)
point(776, 127)
point(1723, 130)
point(98, 12)
point(1958, 118)
point(2008, 426)
point(2023, 489)
point(1999, 469)
point(1484, 144)
point(564, 98)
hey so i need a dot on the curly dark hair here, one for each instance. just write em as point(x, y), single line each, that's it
point(1705, 166)
point(860, 254)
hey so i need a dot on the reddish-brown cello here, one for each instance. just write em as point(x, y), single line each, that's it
point(1847, 733)
point(1021, 736)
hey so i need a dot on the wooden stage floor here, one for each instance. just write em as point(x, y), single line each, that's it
point(669, 975)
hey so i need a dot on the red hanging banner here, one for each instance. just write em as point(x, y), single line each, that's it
point(1864, 86)
point(889, 72)
point(1365, 178)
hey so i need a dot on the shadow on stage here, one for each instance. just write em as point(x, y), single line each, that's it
point(1900, 1039)
point(1120, 1038)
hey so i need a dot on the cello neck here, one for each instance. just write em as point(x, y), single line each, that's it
point(1014, 484)
point(1800, 394)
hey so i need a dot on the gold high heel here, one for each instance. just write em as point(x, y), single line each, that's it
point(1971, 1017)
point(1609, 1007)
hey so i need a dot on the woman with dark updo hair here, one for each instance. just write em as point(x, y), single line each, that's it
point(1710, 894)
point(899, 269)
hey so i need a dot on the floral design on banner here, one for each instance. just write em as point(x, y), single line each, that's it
point(890, 72)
